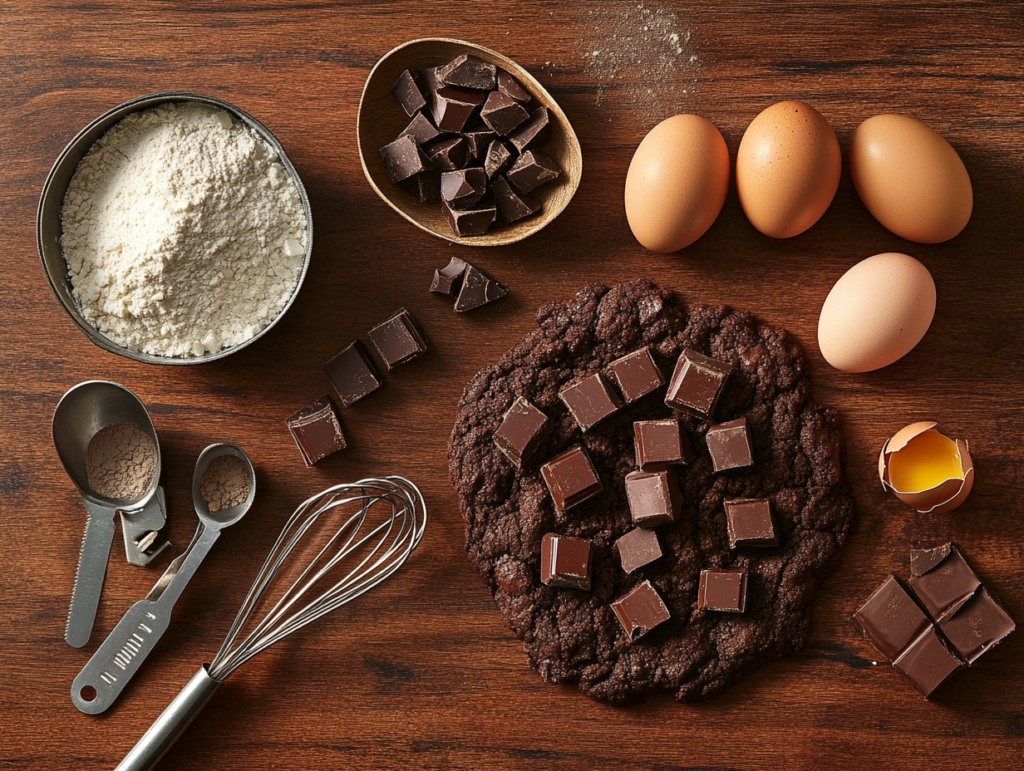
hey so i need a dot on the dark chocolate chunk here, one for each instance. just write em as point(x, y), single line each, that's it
point(502, 113)
point(730, 445)
point(453, 107)
point(512, 205)
point(980, 624)
point(448, 154)
point(463, 188)
point(927, 663)
point(352, 374)
point(565, 562)
point(478, 140)
point(661, 443)
point(590, 401)
point(470, 222)
point(637, 375)
point(522, 430)
point(654, 498)
point(403, 158)
point(477, 289)
point(468, 71)
point(723, 590)
point(317, 431)
point(640, 611)
point(409, 91)
point(749, 522)
point(430, 82)
point(534, 132)
point(637, 548)
point(399, 339)
point(448, 280)
point(497, 158)
point(946, 586)
point(531, 170)
point(425, 186)
point(421, 129)
point(511, 88)
point(891, 619)
point(697, 384)
point(570, 478)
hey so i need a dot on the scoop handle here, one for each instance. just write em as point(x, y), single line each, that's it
point(91, 572)
point(172, 723)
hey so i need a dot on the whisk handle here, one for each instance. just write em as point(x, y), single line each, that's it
point(171, 724)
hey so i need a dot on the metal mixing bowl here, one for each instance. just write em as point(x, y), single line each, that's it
point(49, 227)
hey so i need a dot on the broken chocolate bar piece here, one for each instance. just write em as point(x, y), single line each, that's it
point(640, 611)
point(352, 374)
point(654, 498)
point(448, 280)
point(723, 590)
point(730, 445)
point(477, 289)
point(565, 562)
point(511, 88)
point(522, 430)
point(891, 619)
point(478, 140)
point(531, 170)
point(978, 626)
point(317, 431)
point(570, 478)
point(447, 154)
point(697, 384)
point(947, 585)
point(409, 91)
point(403, 159)
point(421, 129)
point(470, 222)
point(660, 444)
point(512, 205)
point(927, 663)
point(453, 107)
point(463, 188)
point(468, 71)
point(502, 113)
point(534, 132)
point(590, 401)
point(637, 548)
point(399, 339)
point(749, 522)
point(637, 375)
point(497, 159)
point(923, 560)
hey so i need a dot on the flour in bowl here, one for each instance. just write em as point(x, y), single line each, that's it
point(182, 232)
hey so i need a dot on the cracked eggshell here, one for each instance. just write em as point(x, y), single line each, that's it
point(939, 499)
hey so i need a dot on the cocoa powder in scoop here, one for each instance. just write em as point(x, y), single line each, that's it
point(225, 483)
point(120, 462)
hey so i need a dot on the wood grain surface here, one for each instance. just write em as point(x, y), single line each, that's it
point(423, 674)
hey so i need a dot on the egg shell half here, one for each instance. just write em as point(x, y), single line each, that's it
point(787, 169)
point(910, 178)
point(676, 183)
point(876, 313)
point(940, 499)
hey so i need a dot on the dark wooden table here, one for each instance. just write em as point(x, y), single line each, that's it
point(423, 674)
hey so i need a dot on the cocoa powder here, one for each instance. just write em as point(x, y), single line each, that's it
point(225, 483)
point(120, 462)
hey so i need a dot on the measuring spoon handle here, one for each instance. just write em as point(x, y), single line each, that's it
point(91, 572)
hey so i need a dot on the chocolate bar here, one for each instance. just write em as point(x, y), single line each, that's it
point(637, 375)
point(637, 548)
point(640, 611)
point(654, 498)
point(660, 444)
point(945, 585)
point(730, 445)
point(316, 430)
point(570, 478)
point(565, 562)
point(891, 619)
point(352, 374)
point(522, 430)
point(399, 339)
point(722, 590)
point(590, 401)
point(697, 384)
point(978, 626)
point(749, 522)
point(927, 663)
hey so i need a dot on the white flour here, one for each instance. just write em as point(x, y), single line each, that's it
point(182, 233)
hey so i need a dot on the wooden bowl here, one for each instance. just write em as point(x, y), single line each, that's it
point(381, 119)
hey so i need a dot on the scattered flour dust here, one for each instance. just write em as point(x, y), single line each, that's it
point(182, 233)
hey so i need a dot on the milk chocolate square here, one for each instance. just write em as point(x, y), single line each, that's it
point(723, 590)
point(570, 478)
point(640, 611)
point(637, 548)
point(697, 383)
point(891, 619)
point(927, 663)
point(352, 374)
point(654, 498)
point(660, 444)
point(521, 431)
point(945, 586)
point(565, 562)
point(730, 445)
point(399, 339)
point(749, 522)
point(317, 431)
point(637, 375)
point(978, 626)
point(590, 401)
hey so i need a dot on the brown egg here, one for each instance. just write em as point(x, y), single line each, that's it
point(926, 470)
point(910, 178)
point(676, 183)
point(787, 169)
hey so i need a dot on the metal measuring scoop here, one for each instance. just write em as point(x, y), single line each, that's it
point(121, 655)
point(81, 413)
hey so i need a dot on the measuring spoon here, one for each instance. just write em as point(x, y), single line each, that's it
point(81, 413)
point(121, 655)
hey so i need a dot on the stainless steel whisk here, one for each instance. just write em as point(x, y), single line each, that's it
point(385, 527)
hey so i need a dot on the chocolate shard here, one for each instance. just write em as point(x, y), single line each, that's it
point(468, 71)
point(448, 154)
point(478, 141)
point(409, 90)
point(566, 562)
point(472, 221)
point(463, 188)
point(590, 401)
point(640, 611)
point(637, 375)
point(512, 205)
point(522, 430)
point(497, 159)
point(923, 560)
point(425, 186)
point(511, 88)
point(448, 280)
point(749, 522)
point(399, 339)
point(453, 107)
point(421, 129)
point(316, 430)
point(533, 132)
point(722, 590)
point(352, 374)
point(730, 445)
point(927, 663)
point(891, 619)
point(570, 478)
point(654, 498)
point(531, 170)
point(947, 586)
point(477, 289)
point(403, 159)
point(661, 444)
point(697, 383)
point(978, 626)
point(503, 114)
point(637, 548)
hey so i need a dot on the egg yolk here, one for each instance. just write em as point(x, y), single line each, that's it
point(927, 461)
